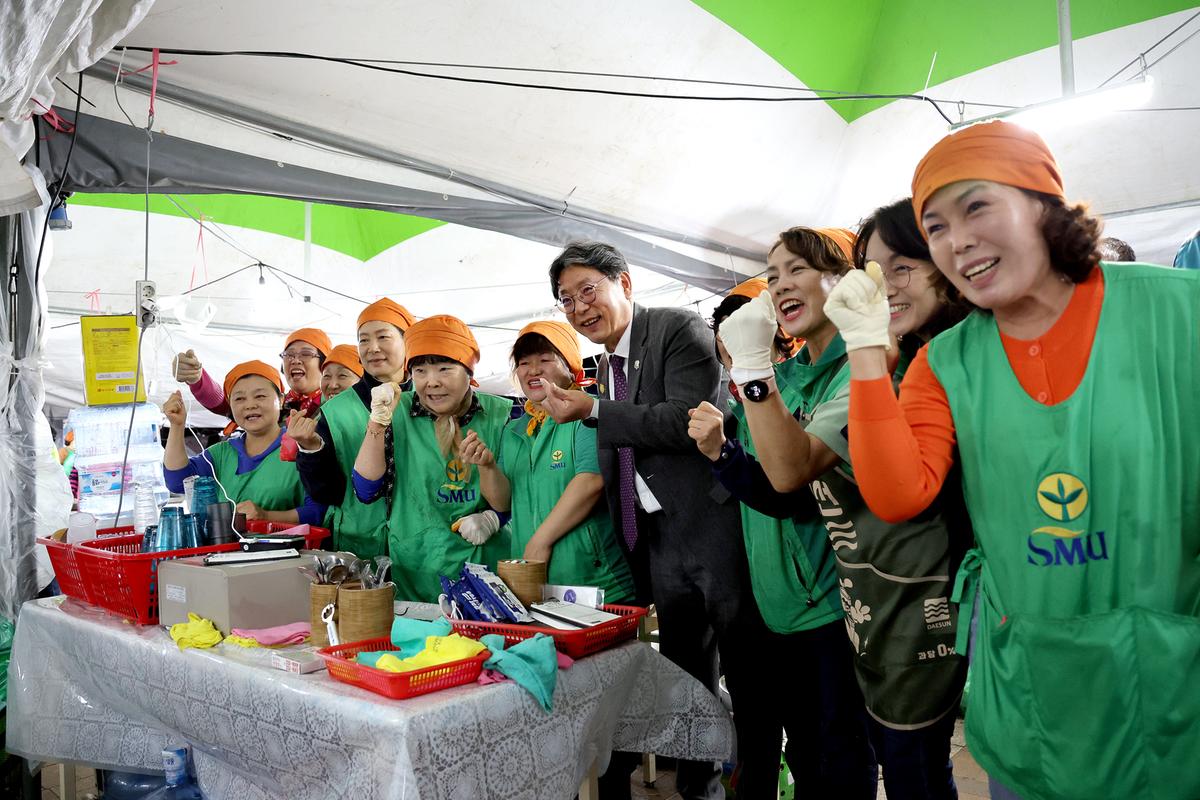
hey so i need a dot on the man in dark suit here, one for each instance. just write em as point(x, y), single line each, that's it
point(681, 530)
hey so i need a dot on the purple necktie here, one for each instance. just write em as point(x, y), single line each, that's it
point(625, 460)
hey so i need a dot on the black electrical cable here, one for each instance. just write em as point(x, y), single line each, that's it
point(37, 267)
point(817, 95)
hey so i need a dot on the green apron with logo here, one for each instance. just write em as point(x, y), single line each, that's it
point(893, 580)
point(359, 528)
point(272, 486)
point(1086, 667)
point(431, 492)
point(539, 470)
point(791, 565)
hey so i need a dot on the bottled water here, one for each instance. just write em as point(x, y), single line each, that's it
point(145, 509)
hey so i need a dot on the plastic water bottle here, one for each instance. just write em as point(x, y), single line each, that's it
point(180, 785)
point(145, 508)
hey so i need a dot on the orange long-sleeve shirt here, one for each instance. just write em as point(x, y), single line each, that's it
point(903, 448)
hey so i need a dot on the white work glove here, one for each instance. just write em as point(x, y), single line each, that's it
point(858, 307)
point(384, 398)
point(477, 528)
point(748, 334)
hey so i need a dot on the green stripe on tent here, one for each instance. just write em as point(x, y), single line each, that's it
point(885, 47)
point(357, 232)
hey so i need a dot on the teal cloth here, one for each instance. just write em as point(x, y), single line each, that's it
point(408, 635)
point(531, 663)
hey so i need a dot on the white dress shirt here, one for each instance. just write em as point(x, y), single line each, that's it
point(645, 497)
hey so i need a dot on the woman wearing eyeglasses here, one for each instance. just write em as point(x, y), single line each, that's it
point(303, 355)
point(437, 517)
point(1072, 398)
point(329, 444)
point(894, 579)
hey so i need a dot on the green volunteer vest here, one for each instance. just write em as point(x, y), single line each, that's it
point(431, 492)
point(539, 470)
point(894, 581)
point(272, 486)
point(791, 566)
point(1086, 670)
point(359, 528)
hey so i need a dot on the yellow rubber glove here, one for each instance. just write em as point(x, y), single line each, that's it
point(438, 650)
point(196, 632)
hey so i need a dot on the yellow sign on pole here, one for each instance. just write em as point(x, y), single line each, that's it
point(110, 356)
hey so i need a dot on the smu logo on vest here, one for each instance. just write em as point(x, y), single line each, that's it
point(1063, 497)
point(556, 460)
point(455, 490)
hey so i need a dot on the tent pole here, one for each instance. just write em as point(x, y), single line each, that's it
point(1066, 56)
point(308, 241)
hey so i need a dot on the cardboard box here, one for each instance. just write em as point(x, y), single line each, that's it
point(252, 595)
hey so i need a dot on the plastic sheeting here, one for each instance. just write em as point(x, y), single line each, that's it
point(87, 687)
point(42, 39)
point(21, 397)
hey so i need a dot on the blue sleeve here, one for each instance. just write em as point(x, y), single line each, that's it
point(311, 513)
point(366, 491)
point(197, 465)
point(746, 480)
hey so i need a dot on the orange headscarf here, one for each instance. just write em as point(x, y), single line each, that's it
point(442, 335)
point(992, 151)
point(347, 356)
point(843, 238)
point(751, 288)
point(314, 336)
point(252, 368)
point(387, 310)
point(564, 339)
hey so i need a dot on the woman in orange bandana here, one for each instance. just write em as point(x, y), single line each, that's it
point(1071, 396)
point(247, 467)
point(342, 369)
point(303, 356)
point(548, 474)
point(437, 517)
point(329, 444)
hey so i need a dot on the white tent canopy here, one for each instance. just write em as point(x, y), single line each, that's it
point(705, 182)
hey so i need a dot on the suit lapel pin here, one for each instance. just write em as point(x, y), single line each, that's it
point(637, 364)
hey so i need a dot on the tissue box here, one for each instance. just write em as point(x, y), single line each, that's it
point(251, 595)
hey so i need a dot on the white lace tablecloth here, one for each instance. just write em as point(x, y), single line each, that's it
point(87, 687)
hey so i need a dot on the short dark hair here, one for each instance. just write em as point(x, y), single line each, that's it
point(1072, 234)
point(819, 251)
point(896, 225)
point(432, 360)
point(597, 255)
point(1114, 249)
point(534, 344)
point(784, 344)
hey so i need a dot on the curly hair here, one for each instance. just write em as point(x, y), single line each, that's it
point(819, 251)
point(1072, 234)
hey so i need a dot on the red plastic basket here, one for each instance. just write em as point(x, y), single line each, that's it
point(66, 569)
point(576, 644)
point(114, 574)
point(339, 660)
point(312, 539)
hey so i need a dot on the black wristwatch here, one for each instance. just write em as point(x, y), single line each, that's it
point(756, 391)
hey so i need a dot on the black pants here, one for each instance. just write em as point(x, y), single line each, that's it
point(701, 589)
point(816, 700)
point(916, 764)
